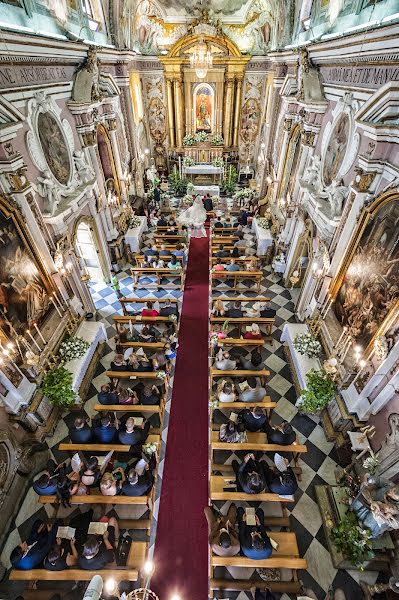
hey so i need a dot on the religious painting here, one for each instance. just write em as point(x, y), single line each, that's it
point(369, 289)
point(54, 146)
point(23, 290)
point(203, 108)
point(336, 149)
point(157, 119)
point(250, 121)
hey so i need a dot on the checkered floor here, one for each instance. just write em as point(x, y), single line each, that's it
point(318, 463)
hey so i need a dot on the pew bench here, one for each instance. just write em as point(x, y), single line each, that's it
point(99, 499)
point(257, 442)
point(140, 259)
point(158, 275)
point(144, 345)
point(119, 574)
point(217, 492)
point(266, 404)
point(131, 408)
point(281, 587)
point(151, 439)
point(214, 373)
point(241, 298)
point(238, 276)
point(241, 322)
point(136, 375)
point(139, 320)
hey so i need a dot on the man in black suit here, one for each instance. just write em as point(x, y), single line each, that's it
point(208, 203)
point(106, 396)
point(133, 435)
point(81, 432)
point(249, 475)
point(268, 312)
point(157, 194)
point(222, 253)
point(138, 485)
point(254, 541)
point(282, 434)
point(253, 419)
point(235, 312)
point(283, 480)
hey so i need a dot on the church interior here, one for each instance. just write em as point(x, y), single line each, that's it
point(199, 299)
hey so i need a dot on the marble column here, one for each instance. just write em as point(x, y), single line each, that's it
point(228, 108)
point(237, 111)
point(171, 117)
point(179, 114)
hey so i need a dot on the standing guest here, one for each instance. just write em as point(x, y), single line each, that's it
point(254, 541)
point(116, 286)
point(65, 490)
point(254, 364)
point(218, 223)
point(253, 419)
point(208, 203)
point(221, 531)
point(243, 217)
point(219, 265)
point(255, 392)
point(118, 364)
point(232, 266)
point(282, 482)
point(173, 263)
point(132, 434)
point(81, 432)
point(235, 312)
point(250, 475)
point(223, 361)
point(222, 253)
point(31, 553)
point(105, 432)
point(225, 392)
point(98, 551)
point(149, 310)
point(157, 194)
point(282, 434)
point(138, 485)
point(254, 333)
point(107, 396)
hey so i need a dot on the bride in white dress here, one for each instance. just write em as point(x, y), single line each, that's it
point(194, 218)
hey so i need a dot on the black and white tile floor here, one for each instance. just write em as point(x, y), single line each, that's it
point(317, 465)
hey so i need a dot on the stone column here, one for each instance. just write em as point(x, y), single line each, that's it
point(228, 108)
point(171, 117)
point(179, 114)
point(237, 111)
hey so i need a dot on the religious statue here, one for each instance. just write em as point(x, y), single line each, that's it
point(203, 115)
point(312, 176)
point(160, 158)
point(48, 189)
point(86, 87)
point(391, 442)
point(85, 172)
point(336, 194)
point(377, 508)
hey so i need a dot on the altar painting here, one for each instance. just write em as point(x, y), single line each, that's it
point(336, 149)
point(370, 286)
point(203, 108)
point(157, 119)
point(54, 146)
point(23, 294)
point(250, 120)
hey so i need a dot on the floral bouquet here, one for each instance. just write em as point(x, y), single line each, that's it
point(149, 449)
point(73, 347)
point(201, 136)
point(173, 318)
point(134, 222)
point(213, 340)
point(190, 189)
point(213, 404)
point(161, 375)
point(218, 140)
point(188, 161)
point(371, 464)
point(263, 222)
point(243, 195)
point(306, 344)
point(188, 140)
point(218, 162)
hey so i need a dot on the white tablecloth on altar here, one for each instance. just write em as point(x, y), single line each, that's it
point(203, 170)
point(133, 235)
point(94, 333)
point(302, 363)
point(263, 236)
point(212, 190)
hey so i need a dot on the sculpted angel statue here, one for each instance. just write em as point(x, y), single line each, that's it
point(48, 189)
point(336, 195)
point(312, 176)
point(85, 172)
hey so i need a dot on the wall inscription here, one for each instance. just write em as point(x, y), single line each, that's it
point(370, 77)
point(18, 75)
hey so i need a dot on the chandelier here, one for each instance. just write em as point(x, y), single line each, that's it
point(201, 59)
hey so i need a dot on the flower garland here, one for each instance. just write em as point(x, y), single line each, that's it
point(306, 344)
point(218, 140)
point(188, 161)
point(73, 347)
point(188, 140)
point(218, 162)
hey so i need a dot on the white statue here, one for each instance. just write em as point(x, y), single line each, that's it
point(312, 176)
point(336, 194)
point(85, 172)
point(48, 189)
point(391, 442)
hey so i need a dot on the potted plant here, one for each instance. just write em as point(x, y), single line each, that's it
point(320, 391)
point(230, 181)
point(217, 140)
point(177, 183)
point(218, 162)
point(353, 541)
point(57, 387)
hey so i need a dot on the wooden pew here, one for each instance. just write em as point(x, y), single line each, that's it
point(237, 373)
point(221, 239)
point(241, 298)
point(139, 320)
point(144, 345)
point(133, 408)
point(136, 375)
point(266, 404)
point(98, 499)
point(218, 482)
point(237, 276)
point(257, 442)
point(140, 259)
point(244, 321)
point(158, 274)
point(240, 342)
point(93, 447)
point(281, 587)
point(239, 259)
point(161, 238)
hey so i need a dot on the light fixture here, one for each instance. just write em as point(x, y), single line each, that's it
point(110, 585)
point(201, 59)
point(146, 151)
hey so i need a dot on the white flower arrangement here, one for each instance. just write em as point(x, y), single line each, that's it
point(263, 223)
point(161, 375)
point(218, 162)
point(306, 344)
point(213, 404)
point(190, 188)
point(218, 140)
point(213, 339)
point(201, 136)
point(134, 222)
point(173, 318)
point(149, 449)
point(243, 194)
point(188, 161)
point(188, 140)
point(73, 347)
point(371, 464)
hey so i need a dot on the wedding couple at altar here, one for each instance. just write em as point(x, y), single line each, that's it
point(194, 218)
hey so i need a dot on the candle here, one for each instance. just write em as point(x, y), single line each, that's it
point(328, 304)
point(346, 351)
point(56, 308)
point(56, 298)
point(341, 336)
point(362, 364)
point(40, 335)
point(33, 340)
point(16, 367)
point(64, 297)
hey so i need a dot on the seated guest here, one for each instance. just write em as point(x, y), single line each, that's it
point(138, 485)
point(163, 251)
point(31, 553)
point(254, 541)
point(268, 312)
point(225, 392)
point(231, 432)
point(254, 310)
point(134, 435)
point(159, 360)
point(255, 391)
point(252, 265)
point(151, 251)
point(107, 396)
point(128, 396)
point(61, 556)
point(283, 481)
point(222, 253)
point(64, 490)
point(254, 333)
point(241, 242)
point(218, 309)
point(223, 361)
point(81, 432)
point(162, 222)
point(172, 221)
point(221, 531)
point(219, 265)
point(149, 310)
point(180, 252)
point(227, 223)
point(218, 223)
point(90, 472)
point(235, 253)
point(150, 395)
point(250, 475)
point(125, 335)
point(208, 203)
point(148, 334)
point(282, 434)
point(105, 432)
point(168, 308)
point(253, 419)
point(232, 266)
point(111, 483)
point(174, 263)
point(118, 364)
point(45, 485)
point(98, 551)
point(141, 364)
point(254, 364)
point(235, 312)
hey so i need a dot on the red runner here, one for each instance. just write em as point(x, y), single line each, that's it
point(181, 545)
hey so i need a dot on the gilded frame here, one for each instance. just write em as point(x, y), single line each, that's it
point(366, 215)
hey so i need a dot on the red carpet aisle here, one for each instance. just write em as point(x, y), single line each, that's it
point(181, 544)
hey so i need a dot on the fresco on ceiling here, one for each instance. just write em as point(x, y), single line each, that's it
point(370, 288)
point(336, 149)
point(54, 146)
point(203, 109)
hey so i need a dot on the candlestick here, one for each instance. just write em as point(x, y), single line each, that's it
point(65, 298)
point(344, 345)
point(341, 336)
point(346, 351)
point(16, 367)
point(327, 307)
point(56, 298)
point(362, 364)
point(33, 340)
point(40, 335)
point(56, 308)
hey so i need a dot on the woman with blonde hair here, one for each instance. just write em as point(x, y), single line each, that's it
point(109, 485)
point(218, 309)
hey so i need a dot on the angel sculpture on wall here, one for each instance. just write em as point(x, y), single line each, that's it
point(48, 189)
point(312, 176)
point(85, 172)
point(336, 195)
